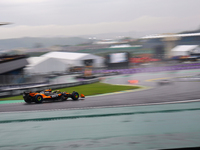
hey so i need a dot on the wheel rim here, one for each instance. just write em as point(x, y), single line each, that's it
point(39, 98)
point(76, 95)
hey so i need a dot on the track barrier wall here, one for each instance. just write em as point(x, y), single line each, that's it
point(34, 88)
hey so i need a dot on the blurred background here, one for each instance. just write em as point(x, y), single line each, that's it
point(153, 44)
point(42, 38)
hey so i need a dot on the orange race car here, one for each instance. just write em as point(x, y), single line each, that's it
point(39, 97)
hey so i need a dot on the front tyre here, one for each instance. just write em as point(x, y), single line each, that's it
point(38, 99)
point(75, 95)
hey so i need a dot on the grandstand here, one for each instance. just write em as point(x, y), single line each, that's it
point(182, 39)
point(12, 67)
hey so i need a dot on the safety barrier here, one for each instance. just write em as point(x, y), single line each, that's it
point(34, 88)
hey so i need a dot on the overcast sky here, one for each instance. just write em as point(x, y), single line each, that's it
point(51, 18)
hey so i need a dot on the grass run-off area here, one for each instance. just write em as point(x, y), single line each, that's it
point(87, 90)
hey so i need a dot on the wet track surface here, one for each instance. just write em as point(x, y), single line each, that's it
point(70, 125)
point(137, 127)
point(172, 92)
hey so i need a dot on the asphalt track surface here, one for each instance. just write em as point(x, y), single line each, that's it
point(174, 91)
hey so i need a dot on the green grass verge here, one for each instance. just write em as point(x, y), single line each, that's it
point(88, 90)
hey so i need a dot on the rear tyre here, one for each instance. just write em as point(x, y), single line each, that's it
point(75, 95)
point(27, 100)
point(38, 99)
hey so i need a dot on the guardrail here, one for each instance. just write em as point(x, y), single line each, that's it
point(34, 88)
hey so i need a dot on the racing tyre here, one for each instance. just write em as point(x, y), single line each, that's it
point(38, 99)
point(75, 96)
point(27, 100)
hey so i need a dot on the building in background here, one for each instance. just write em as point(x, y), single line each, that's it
point(62, 62)
point(11, 68)
point(44, 65)
point(185, 50)
point(163, 43)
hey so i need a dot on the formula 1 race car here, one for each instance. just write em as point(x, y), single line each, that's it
point(39, 97)
point(164, 82)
